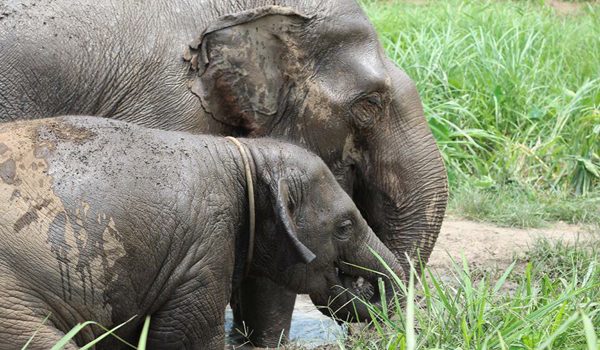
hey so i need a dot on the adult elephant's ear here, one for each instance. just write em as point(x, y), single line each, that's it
point(238, 65)
point(293, 251)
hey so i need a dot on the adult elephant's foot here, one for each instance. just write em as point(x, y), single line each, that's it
point(262, 313)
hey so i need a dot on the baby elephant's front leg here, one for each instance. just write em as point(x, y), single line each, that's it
point(21, 323)
point(193, 318)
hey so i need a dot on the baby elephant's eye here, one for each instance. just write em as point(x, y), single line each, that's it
point(344, 230)
point(374, 99)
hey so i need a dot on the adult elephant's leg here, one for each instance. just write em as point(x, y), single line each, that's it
point(263, 311)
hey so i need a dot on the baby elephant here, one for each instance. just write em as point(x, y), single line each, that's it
point(103, 220)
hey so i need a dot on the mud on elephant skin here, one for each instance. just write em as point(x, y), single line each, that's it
point(311, 72)
point(103, 220)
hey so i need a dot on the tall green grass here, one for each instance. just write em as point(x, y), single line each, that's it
point(522, 206)
point(511, 89)
point(552, 302)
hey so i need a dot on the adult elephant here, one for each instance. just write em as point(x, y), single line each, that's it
point(312, 72)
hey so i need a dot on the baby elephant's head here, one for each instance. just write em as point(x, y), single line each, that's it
point(311, 237)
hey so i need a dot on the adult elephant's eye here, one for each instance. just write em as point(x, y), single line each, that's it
point(367, 109)
point(344, 230)
point(374, 99)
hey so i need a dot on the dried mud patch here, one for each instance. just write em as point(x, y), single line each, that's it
point(565, 8)
point(488, 246)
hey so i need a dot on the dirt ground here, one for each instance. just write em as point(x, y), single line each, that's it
point(491, 246)
point(563, 8)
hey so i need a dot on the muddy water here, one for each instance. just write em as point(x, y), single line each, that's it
point(309, 327)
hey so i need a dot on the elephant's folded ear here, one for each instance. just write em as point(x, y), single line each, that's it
point(238, 66)
point(294, 252)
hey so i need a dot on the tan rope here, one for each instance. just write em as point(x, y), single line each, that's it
point(252, 214)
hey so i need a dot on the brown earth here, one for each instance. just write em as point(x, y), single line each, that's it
point(563, 8)
point(491, 246)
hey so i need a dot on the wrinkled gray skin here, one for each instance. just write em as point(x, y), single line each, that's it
point(310, 72)
point(103, 220)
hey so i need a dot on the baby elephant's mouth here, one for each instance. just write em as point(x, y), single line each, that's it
point(358, 286)
point(353, 294)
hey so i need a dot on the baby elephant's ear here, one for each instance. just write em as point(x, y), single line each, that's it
point(295, 252)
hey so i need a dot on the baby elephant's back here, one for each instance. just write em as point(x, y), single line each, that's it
point(71, 191)
point(28, 201)
point(49, 163)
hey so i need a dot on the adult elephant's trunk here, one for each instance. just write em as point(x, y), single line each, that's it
point(401, 186)
point(402, 189)
point(347, 301)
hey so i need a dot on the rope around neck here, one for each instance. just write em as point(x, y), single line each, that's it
point(250, 185)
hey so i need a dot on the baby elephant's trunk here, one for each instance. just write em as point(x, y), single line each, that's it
point(358, 294)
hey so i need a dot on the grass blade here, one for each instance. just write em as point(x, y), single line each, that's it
point(73, 332)
point(410, 313)
point(144, 334)
point(590, 333)
point(35, 333)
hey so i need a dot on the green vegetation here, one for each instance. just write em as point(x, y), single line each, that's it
point(552, 302)
point(517, 205)
point(512, 93)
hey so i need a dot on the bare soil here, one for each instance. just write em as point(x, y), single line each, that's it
point(562, 8)
point(487, 245)
point(565, 8)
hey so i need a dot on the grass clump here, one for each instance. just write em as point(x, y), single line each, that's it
point(550, 302)
point(522, 206)
point(511, 90)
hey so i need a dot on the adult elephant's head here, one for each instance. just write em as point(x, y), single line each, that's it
point(316, 75)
